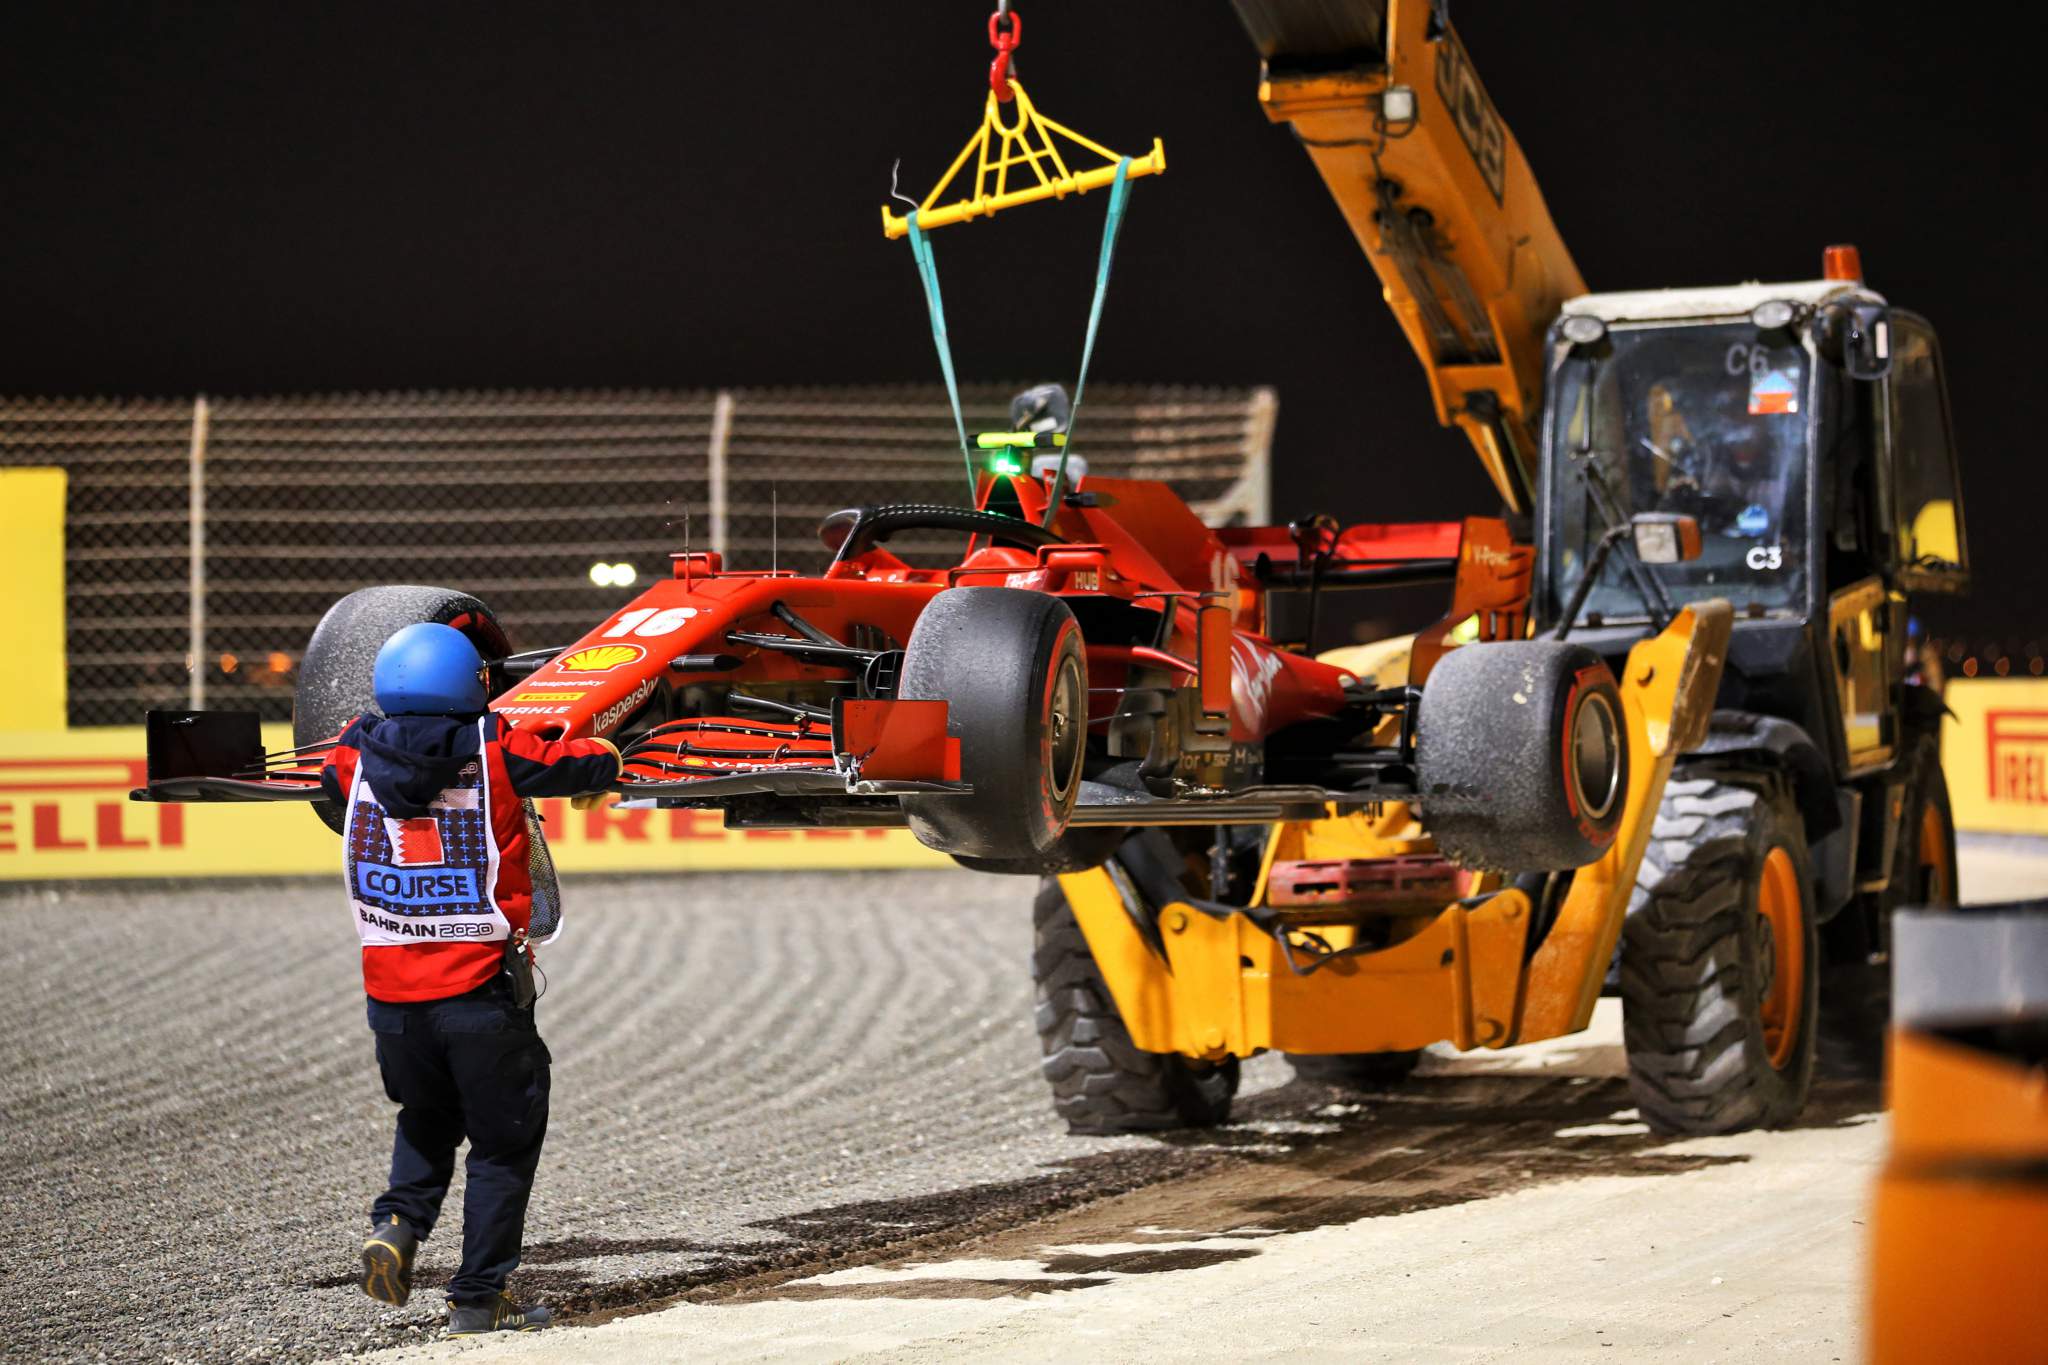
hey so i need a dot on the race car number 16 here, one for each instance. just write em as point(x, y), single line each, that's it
point(646, 621)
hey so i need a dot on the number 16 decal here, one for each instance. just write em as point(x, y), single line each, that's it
point(648, 622)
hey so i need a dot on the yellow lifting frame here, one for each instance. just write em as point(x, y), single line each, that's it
point(992, 192)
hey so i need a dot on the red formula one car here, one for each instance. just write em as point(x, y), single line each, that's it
point(1113, 665)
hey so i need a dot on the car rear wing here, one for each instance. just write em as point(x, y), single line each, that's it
point(1318, 553)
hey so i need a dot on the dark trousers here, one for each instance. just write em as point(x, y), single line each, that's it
point(470, 1066)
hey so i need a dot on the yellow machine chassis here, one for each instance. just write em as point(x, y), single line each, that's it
point(1224, 989)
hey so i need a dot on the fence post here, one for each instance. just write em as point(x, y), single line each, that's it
point(1259, 452)
point(196, 517)
point(714, 466)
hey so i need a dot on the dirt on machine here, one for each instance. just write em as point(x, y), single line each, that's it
point(1668, 738)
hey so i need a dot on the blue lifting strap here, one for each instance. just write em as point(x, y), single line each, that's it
point(1119, 192)
point(928, 274)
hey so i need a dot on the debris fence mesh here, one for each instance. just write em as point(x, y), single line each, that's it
point(516, 497)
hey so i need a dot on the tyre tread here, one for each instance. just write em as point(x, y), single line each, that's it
point(1102, 1082)
point(1694, 1040)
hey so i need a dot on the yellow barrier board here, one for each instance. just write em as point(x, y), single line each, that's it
point(32, 602)
point(1994, 750)
point(65, 812)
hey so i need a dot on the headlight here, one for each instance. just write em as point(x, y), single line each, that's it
point(1772, 314)
point(1582, 329)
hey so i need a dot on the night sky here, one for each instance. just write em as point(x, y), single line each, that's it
point(250, 197)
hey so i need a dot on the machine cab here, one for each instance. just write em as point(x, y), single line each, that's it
point(1806, 428)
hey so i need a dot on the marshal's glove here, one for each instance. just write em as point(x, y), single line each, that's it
point(592, 800)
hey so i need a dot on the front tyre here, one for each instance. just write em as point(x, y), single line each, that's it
point(1010, 668)
point(1101, 1081)
point(1521, 756)
point(1719, 959)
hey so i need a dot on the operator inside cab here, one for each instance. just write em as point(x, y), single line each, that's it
point(1717, 431)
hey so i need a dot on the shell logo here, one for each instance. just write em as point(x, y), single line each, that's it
point(601, 658)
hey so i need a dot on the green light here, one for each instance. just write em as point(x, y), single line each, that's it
point(1004, 463)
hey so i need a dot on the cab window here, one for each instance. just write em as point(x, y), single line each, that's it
point(1708, 420)
point(1926, 503)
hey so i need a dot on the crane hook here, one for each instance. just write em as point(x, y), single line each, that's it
point(1005, 43)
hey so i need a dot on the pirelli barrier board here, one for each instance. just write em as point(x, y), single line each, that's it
point(65, 812)
point(1994, 749)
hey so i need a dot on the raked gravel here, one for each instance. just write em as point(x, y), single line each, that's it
point(748, 1067)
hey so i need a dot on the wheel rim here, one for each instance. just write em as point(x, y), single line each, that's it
point(1782, 910)
point(1937, 886)
point(1596, 755)
point(1066, 727)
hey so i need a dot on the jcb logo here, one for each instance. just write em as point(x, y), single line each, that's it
point(1478, 122)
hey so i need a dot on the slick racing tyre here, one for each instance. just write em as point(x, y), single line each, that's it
point(1719, 959)
point(1521, 756)
point(334, 676)
point(1101, 1081)
point(1008, 664)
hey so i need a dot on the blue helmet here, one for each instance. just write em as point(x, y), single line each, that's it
point(429, 670)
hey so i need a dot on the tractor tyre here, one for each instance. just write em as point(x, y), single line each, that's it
point(334, 676)
point(1856, 995)
point(1521, 756)
point(1076, 850)
point(1009, 666)
point(1101, 1081)
point(1719, 960)
point(1356, 1070)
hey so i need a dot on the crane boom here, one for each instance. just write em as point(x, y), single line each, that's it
point(1385, 101)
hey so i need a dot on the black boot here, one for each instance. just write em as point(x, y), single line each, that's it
point(387, 1261)
point(500, 1315)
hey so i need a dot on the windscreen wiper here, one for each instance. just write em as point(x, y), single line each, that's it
point(1614, 533)
point(1613, 526)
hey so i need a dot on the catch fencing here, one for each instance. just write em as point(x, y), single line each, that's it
point(204, 538)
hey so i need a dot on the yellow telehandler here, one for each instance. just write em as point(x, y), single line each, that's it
point(1724, 493)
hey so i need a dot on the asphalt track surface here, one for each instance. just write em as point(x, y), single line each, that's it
point(760, 1080)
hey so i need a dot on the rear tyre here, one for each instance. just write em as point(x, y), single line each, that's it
point(1521, 756)
point(1101, 1081)
point(1356, 1070)
point(1076, 850)
point(1719, 981)
point(1856, 995)
point(334, 676)
point(1009, 666)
